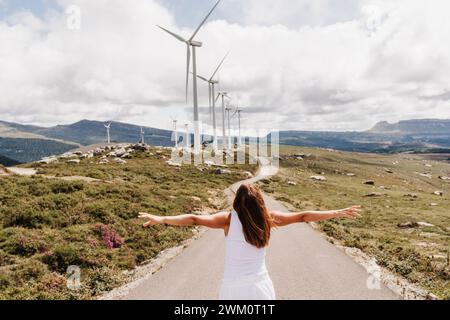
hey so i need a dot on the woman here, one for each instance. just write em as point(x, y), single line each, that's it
point(247, 233)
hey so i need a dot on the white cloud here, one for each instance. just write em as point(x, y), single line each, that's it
point(388, 62)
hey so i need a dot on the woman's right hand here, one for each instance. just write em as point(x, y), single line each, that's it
point(353, 212)
point(152, 219)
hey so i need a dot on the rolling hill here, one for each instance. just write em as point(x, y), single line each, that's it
point(87, 132)
point(26, 143)
point(22, 150)
point(7, 161)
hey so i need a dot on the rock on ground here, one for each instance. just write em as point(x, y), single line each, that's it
point(408, 225)
point(318, 178)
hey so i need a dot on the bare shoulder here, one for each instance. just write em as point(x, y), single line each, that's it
point(277, 214)
point(220, 220)
point(224, 217)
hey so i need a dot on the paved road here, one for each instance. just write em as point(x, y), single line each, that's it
point(302, 264)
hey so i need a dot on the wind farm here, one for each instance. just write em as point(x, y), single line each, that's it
point(192, 46)
point(211, 82)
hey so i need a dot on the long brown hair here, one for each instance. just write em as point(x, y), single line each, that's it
point(254, 215)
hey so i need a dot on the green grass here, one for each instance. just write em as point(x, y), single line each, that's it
point(419, 254)
point(48, 224)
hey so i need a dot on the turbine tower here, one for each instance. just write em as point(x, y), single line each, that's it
point(238, 112)
point(228, 109)
point(142, 136)
point(192, 45)
point(223, 95)
point(175, 133)
point(108, 127)
point(212, 102)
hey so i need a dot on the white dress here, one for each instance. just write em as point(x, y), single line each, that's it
point(246, 276)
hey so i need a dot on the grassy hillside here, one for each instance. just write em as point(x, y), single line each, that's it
point(48, 224)
point(403, 192)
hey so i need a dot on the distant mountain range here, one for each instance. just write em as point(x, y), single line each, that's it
point(428, 135)
point(427, 127)
point(25, 143)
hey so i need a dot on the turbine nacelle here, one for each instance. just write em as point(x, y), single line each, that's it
point(195, 43)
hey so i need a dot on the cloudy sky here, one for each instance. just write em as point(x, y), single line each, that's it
point(294, 64)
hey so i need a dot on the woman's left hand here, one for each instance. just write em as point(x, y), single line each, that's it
point(152, 219)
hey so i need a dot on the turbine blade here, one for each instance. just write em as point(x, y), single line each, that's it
point(203, 78)
point(218, 96)
point(188, 62)
point(204, 20)
point(220, 64)
point(173, 34)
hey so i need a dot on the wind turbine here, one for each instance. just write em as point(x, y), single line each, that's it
point(108, 127)
point(238, 112)
point(228, 109)
point(223, 95)
point(142, 136)
point(192, 45)
point(212, 102)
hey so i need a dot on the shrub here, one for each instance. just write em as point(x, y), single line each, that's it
point(24, 242)
point(99, 212)
point(38, 189)
point(6, 258)
point(67, 187)
point(30, 269)
point(62, 257)
point(100, 280)
point(24, 215)
point(332, 230)
point(110, 237)
point(4, 281)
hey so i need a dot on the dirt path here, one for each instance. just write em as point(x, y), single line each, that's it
point(302, 264)
point(28, 172)
point(22, 171)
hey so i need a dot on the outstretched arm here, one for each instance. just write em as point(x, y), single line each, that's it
point(286, 218)
point(215, 221)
